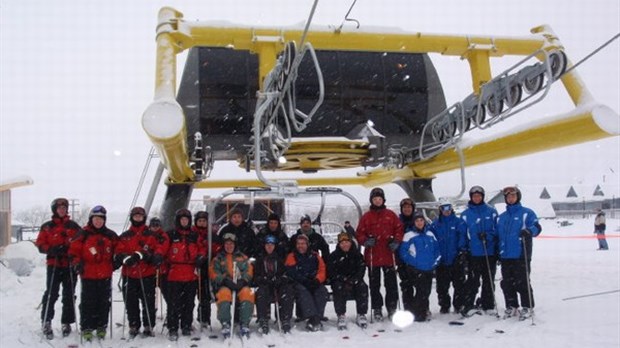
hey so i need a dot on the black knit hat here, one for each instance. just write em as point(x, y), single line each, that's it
point(273, 216)
point(377, 192)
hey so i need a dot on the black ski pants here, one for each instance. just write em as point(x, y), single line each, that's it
point(406, 288)
point(390, 283)
point(515, 283)
point(422, 283)
point(479, 269)
point(181, 306)
point(140, 291)
point(95, 300)
point(343, 291)
point(455, 275)
point(55, 277)
point(311, 302)
point(267, 294)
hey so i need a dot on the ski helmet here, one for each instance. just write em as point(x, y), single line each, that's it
point(407, 201)
point(305, 218)
point(154, 222)
point(201, 215)
point(271, 239)
point(182, 213)
point(377, 192)
point(98, 210)
point(510, 190)
point(476, 189)
point(58, 202)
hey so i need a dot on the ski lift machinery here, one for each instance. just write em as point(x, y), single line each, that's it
point(287, 99)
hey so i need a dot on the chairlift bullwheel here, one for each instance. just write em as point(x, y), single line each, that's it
point(558, 62)
point(514, 95)
point(466, 124)
point(494, 106)
point(534, 84)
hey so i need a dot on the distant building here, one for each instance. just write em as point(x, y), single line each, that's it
point(5, 206)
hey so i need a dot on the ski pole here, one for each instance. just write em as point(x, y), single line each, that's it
point(527, 279)
point(111, 310)
point(370, 277)
point(50, 285)
point(400, 298)
point(124, 287)
point(486, 257)
point(146, 303)
point(160, 308)
point(234, 298)
point(275, 300)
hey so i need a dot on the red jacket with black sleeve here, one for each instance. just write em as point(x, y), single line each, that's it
point(161, 248)
point(182, 254)
point(54, 240)
point(203, 241)
point(93, 250)
point(385, 226)
point(137, 239)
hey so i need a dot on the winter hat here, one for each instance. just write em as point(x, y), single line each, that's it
point(406, 201)
point(229, 236)
point(273, 216)
point(201, 215)
point(418, 215)
point(509, 190)
point(377, 191)
point(137, 211)
point(476, 189)
point(343, 236)
point(236, 211)
point(58, 202)
point(304, 237)
point(271, 239)
point(305, 218)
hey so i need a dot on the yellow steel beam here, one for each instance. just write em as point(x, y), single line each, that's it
point(211, 184)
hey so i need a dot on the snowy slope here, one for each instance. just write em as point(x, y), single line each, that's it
point(565, 264)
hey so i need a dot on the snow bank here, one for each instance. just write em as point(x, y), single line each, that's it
point(22, 257)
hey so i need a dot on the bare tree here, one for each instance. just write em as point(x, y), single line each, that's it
point(81, 216)
point(34, 216)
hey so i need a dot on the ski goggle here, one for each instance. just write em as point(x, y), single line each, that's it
point(476, 189)
point(445, 207)
point(98, 210)
point(510, 190)
point(271, 240)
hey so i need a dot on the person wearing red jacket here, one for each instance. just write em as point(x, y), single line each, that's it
point(53, 239)
point(91, 253)
point(380, 231)
point(161, 269)
point(134, 251)
point(201, 226)
point(183, 257)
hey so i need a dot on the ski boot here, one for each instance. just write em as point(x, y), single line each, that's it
point(66, 330)
point(444, 310)
point(88, 335)
point(314, 324)
point(263, 326)
point(286, 327)
point(377, 315)
point(510, 312)
point(342, 322)
point(101, 333)
point(186, 331)
point(47, 330)
point(173, 335)
point(244, 331)
point(362, 321)
point(525, 313)
point(226, 330)
point(148, 332)
point(133, 332)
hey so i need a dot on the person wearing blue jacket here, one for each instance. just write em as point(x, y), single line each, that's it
point(420, 253)
point(450, 231)
point(516, 227)
point(481, 221)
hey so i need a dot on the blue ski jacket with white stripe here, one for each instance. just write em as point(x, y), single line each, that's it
point(481, 218)
point(420, 250)
point(509, 226)
point(450, 232)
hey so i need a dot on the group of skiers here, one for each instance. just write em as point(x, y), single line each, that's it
point(250, 269)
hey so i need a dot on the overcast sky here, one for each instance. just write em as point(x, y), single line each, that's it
point(75, 77)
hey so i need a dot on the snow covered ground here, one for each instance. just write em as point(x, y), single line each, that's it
point(566, 264)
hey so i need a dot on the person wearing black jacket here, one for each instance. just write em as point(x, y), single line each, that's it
point(274, 228)
point(317, 242)
point(273, 285)
point(346, 269)
point(247, 242)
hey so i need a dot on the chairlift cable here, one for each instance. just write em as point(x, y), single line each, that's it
point(591, 54)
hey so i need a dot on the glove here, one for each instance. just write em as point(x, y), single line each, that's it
point(370, 242)
point(157, 260)
point(200, 261)
point(132, 259)
point(482, 235)
point(241, 283)
point(393, 245)
point(78, 268)
point(525, 233)
point(227, 282)
point(57, 250)
point(351, 281)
